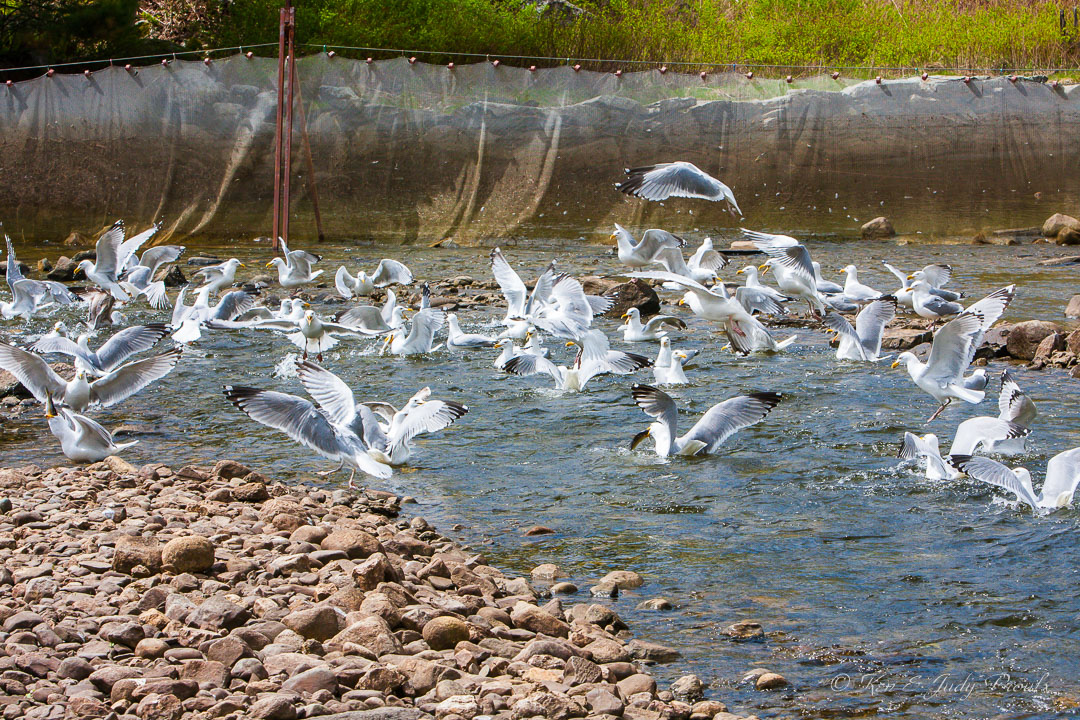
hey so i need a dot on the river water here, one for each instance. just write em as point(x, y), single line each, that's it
point(881, 593)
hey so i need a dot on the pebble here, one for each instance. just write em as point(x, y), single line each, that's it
point(286, 602)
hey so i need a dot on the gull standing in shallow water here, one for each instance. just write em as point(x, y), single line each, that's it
point(458, 340)
point(719, 422)
point(1062, 477)
point(676, 179)
point(81, 439)
point(953, 349)
point(421, 336)
point(390, 444)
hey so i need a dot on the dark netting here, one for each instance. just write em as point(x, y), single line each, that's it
point(478, 153)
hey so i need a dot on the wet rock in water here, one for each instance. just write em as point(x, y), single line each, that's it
point(1024, 337)
point(76, 239)
point(203, 260)
point(564, 588)
point(877, 229)
point(642, 650)
point(193, 554)
point(655, 604)
point(547, 571)
point(904, 338)
point(63, 271)
point(745, 630)
point(444, 633)
point(623, 579)
point(1062, 229)
point(770, 681)
point(688, 688)
point(625, 295)
point(1072, 310)
point(538, 530)
point(708, 709)
point(1058, 261)
point(43, 265)
point(1051, 344)
point(172, 277)
point(604, 590)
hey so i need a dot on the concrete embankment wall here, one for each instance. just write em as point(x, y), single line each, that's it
point(416, 153)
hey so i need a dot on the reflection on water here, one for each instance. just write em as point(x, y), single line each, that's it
point(881, 592)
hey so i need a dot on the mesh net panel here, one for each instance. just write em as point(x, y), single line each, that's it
point(420, 153)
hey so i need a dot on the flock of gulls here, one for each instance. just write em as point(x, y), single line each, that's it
point(372, 437)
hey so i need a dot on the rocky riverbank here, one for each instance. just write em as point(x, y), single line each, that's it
point(215, 592)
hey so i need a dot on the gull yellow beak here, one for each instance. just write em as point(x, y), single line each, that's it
point(570, 344)
point(681, 301)
point(270, 264)
point(242, 265)
point(739, 271)
point(639, 438)
point(625, 315)
point(911, 276)
point(896, 364)
point(763, 268)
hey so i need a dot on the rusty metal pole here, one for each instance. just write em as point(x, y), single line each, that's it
point(282, 18)
point(287, 144)
point(309, 162)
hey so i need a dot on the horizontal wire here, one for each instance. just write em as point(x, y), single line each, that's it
point(499, 56)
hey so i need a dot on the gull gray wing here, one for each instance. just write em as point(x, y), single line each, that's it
point(132, 377)
point(108, 251)
point(871, 321)
point(365, 318)
point(128, 342)
point(937, 275)
point(391, 271)
point(950, 353)
point(32, 371)
point(430, 416)
point(1013, 404)
point(1062, 476)
point(994, 473)
point(979, 430)
point(296, 417)
point(724, 419)
point(155, 257)
point(509, 282)
point(839, 323)
point(757, 300)
point(332, 393)
point(527, 364)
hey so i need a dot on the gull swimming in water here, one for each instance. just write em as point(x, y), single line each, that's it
point(594, 357)
point(507, 351)
point(458, 340)
point(969, 435)
point(221, 276)
point(676, 179)
point(753, 282)
point(390, 443)
point(81, 439)
point(421, 336)
point(668, 366)
point(719, 422)
point(643, 253)
point(111, 354)
point(825, 287)
point(1062, 477)
point(862, 342)
point(953, 349)
point(791, 263)
point(317, 429)
point(295, 269)
point(80, 393)
point(634, 331)
point(388, 272)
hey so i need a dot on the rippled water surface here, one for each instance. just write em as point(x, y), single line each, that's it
point(882, 594)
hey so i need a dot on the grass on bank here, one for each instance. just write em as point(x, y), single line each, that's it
point(985, 34)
